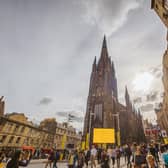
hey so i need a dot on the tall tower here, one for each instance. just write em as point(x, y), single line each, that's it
point(103, 93)
point(2, 106)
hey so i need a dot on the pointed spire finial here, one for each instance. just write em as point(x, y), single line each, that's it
point(95, 60)
point(127, 98)
point(94, 64)
point(104, 42)
point(113, 69)
point(126, 90)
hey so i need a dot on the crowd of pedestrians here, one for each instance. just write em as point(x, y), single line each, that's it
point(133, 155)
point(14, 158)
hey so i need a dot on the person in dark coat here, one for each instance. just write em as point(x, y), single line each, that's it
point(14, 162)
point(128, 154)
point(104, 159)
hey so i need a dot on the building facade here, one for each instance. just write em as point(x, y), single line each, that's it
point(161, 8)
point(66, 136)
point(103, 109)
point(16, 131)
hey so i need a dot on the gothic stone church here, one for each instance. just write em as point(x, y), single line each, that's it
point(103, 104)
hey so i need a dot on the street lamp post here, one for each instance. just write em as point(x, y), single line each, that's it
point(90, 127)
point(118, 128)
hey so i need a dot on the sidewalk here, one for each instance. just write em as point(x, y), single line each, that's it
point(37, 161)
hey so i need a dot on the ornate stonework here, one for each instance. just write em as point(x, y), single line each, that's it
point(102, 103)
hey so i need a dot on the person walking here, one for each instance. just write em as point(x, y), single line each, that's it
point(87, 157)
point(109, 153)
point(2, 164)
point(113, 156)
point(56, 158)
point(118, 155)
point(50, 159)
point(104, 159)
point(14, 162)
point(93, 153)
point(81, 159)
point(151, 163)
point(128, 154)
point(71, 159)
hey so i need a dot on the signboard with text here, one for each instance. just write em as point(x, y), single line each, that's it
point(103, 135)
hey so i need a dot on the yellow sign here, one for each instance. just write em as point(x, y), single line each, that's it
point(165, 140)
point(103, 135)
point(64, 139)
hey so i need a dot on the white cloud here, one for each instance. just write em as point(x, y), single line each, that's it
point(109, 15)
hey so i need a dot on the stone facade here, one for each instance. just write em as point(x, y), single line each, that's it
point(16, 131)
point(102, 103)
point(71, 136)
point(161, 8)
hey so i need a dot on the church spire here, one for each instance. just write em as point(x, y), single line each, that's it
point(104, 52)
point(94, 65)
point(127, 98)
point(104, 42)
point(113, 68)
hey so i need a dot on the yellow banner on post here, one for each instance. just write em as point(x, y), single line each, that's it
point(165, 140)
point(83, 145)
point(118, 138)
point(64, 139)
point(87, 141)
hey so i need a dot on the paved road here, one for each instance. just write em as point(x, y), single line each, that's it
point(64, 165)
point(42, 165)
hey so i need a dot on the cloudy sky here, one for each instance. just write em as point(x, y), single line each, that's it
point(47, 49)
